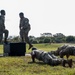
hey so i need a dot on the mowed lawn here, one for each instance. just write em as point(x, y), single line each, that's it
point(23, 65)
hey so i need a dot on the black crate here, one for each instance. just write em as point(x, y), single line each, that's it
point(16, 49)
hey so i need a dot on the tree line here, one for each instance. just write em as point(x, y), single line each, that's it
point(46, 38)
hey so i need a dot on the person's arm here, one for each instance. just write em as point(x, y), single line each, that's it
point(26, 21)
point(20, 25)
point(33, 56)
point(2, 23)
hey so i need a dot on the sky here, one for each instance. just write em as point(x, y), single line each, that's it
point(45, 16)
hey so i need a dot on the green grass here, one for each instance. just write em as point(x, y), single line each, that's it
point(46, 47)
point(1, 48)
point(23, 66)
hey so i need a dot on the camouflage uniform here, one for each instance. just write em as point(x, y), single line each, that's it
point(59, 49)
point(47, 57)
point(2, 29)
point(24, 29)
point(69, 50)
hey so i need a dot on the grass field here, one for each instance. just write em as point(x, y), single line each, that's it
point(23, 66)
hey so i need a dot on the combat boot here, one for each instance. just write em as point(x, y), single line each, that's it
point(30, 46)
point(69, 63)
point(63, 63)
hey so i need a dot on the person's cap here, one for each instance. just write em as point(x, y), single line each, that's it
point(2, 11)
point(21, 13)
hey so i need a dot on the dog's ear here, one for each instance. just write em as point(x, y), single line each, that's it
point(34, 48)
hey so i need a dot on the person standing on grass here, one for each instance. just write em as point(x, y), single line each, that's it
point(2, 27)
point(24, 29)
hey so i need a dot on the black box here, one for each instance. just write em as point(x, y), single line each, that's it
point(15, 49)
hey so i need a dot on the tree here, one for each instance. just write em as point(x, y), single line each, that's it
point(47, 40)
point(14, 39)
point(46, 35)
point(70, 39)
point(59, 35)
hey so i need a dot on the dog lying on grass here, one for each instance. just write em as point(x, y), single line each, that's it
point(49, 58)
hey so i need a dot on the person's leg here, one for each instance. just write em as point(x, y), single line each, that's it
point(27, 40)
point(63, 63)
point(21, 35)
point(6, 32)
point(58, 61)
point(69, 62)
point(1, 37)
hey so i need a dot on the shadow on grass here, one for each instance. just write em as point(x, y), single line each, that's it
point(40, 63)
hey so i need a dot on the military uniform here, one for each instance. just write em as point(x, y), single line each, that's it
point(48, 58)
point(2, 29)
point(69, 50)
point(24, 27)
point(59, 49)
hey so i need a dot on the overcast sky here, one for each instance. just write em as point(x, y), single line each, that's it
point(53, 16)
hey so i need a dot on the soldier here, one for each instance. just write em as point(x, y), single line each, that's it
point(24, 29)
point(49, 58)
point(2, 27)
point(70, 50)
point(59, 49)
